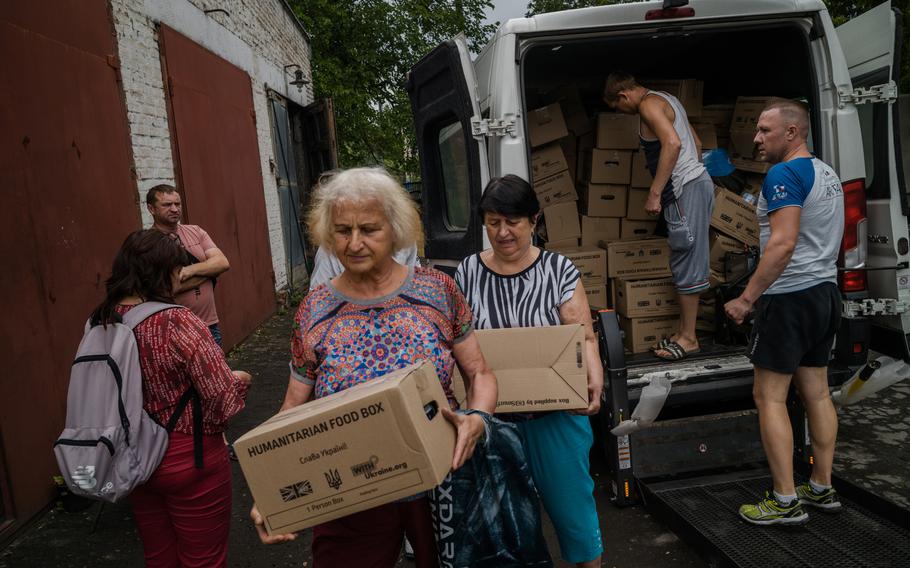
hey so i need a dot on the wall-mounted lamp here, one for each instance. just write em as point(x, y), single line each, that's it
point(299, 80)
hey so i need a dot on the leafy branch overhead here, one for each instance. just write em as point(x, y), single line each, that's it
point(362, 50)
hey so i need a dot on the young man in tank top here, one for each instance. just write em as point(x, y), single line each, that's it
point(681, 190)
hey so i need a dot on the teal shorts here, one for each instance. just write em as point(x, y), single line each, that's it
point(557, 447)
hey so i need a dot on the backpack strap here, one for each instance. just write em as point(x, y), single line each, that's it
point(190, 394)
point(140, 312)
point(134, 317)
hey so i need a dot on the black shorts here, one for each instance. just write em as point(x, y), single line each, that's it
point(795, 329)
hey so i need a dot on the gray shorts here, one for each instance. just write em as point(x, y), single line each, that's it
point(688, 220)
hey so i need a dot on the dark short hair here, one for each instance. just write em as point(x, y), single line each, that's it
point(143, 266)
point(616, 83)
point(152, 196)
point(510, 196)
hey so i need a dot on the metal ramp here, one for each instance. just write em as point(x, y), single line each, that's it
point(703, 512)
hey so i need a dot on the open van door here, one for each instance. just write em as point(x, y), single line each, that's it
point(871, 44)
point(453, 160)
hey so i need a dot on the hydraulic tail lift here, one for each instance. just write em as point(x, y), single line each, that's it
point(694, 471)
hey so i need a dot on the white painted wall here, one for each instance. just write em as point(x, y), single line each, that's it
point(260, 37)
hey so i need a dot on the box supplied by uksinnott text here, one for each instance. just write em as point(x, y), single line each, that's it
point(537, 368)
point(371, 444)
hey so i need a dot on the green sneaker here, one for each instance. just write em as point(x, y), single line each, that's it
point(769, 512)
point(827, 501)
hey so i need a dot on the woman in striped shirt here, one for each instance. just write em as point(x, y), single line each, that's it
point(516, 284)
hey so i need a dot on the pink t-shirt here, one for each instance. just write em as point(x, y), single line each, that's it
point(201, 300)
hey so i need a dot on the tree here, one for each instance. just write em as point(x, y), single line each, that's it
point(362, 50)
point(543, 6)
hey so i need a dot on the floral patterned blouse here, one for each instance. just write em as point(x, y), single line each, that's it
point(339, 341)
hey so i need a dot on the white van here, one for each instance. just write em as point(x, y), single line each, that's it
point(471, 119)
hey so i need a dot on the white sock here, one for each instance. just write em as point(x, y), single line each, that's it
point(784, 500)
point(818, 488)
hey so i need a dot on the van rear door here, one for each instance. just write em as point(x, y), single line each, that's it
point(453, 161)
point(871, 44)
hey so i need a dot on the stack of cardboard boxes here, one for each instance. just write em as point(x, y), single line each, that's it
point(592, 183)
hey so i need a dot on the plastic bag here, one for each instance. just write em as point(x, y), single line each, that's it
point(875, 376)
point(487, 513)
point(652, 400)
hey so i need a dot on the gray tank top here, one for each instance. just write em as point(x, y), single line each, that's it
point(687, 168)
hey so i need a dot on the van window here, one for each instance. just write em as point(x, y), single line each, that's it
point(455, 176)
point(876, 137)
point(865, 114)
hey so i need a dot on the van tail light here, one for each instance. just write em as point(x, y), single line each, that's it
point(853, 249)
point(671, 9)
point(669, 14)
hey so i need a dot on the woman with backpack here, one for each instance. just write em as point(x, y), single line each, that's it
point(183, 511)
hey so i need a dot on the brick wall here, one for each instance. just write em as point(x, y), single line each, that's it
point(260, 37)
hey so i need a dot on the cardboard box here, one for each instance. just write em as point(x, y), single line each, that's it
point(744, 122)
point(636, 208)
point(546, 124)
point(749, 165)
point(564, 244)
point(734, 216)
point(611, 166)
point(585, 144)
point(597, 231)
point(605, 200)
point(555, 189)
point(572, 109)
point(644, 298)
point(617, 131)
point(362, 447)
point(597, 297)
point(562, 221)
point(644, 258)
point(537, 368)
point(707, 133)
point(591, 262)
point(643, 333)
point(547, 161)
point(690, 92)
point(720, 245)
point(718, 115)
point(752, 183)
point(641, 175)
point(715, 279)
point(569, 146)
point(631, 229)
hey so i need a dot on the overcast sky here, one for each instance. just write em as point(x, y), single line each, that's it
point(505, 9)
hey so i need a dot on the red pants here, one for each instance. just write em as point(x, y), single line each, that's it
point(184, 513)
point(373, 538)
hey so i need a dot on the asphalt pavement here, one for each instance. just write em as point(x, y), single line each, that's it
point(873, 449)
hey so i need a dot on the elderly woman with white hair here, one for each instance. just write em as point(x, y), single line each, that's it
point(375, 317)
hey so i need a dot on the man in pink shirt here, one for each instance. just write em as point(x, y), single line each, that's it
point(197, 281)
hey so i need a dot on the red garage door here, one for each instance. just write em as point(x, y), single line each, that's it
point(213, 130)
point(68, 201)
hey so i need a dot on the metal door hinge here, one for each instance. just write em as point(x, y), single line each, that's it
point(873, 307)
point(884, 93)
point(492, 127)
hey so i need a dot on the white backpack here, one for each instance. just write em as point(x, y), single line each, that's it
point(110, 444)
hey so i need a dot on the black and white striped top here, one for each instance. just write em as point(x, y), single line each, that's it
point(530, 298)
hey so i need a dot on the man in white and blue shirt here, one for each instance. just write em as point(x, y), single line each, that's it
point(797, 310)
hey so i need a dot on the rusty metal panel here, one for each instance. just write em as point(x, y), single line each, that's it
point(69, 200)
point(213, 131)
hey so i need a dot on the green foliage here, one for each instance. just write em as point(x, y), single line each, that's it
point(543, 6)
point(362, 50)
point(842, 11)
